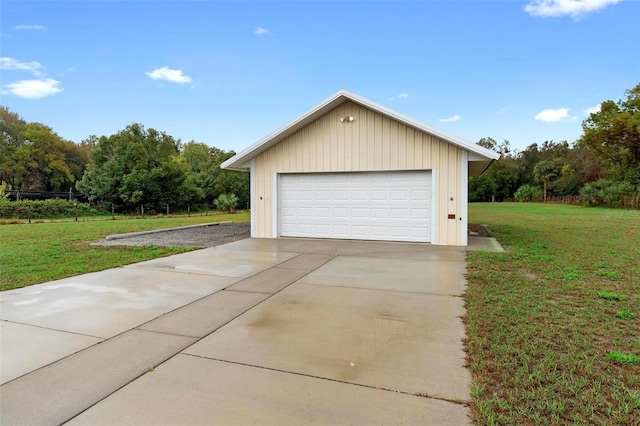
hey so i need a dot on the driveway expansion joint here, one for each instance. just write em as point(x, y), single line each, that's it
point(55, 329)
point(418, 395)
point(459, 296)
point(248, 291)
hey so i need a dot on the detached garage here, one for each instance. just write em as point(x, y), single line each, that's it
point(352, 169)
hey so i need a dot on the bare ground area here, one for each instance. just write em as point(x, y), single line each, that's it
point(200, 237)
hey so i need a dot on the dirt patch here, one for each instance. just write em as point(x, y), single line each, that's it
point(478, 230)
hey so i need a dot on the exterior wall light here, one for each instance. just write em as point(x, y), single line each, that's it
point(347, 119)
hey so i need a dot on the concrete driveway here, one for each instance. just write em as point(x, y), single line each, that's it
point(286, 331)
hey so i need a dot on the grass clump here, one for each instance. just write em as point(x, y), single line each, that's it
point(608, 274)
point(623, 358)
point(611, 296)
point(571, 274)
point(625, 314)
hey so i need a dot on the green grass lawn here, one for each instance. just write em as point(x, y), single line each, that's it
point(553, 325)
point(39, 252)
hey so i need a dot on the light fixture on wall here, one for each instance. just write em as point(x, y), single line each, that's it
point(347, 119)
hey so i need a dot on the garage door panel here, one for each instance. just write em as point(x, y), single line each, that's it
point(379, 214)
point(392, 206)
point(341, 212)
point(359, 231)
point(323, 229)
point(399, 213)
point(322, 195)
point(420, 214)
point(340, 230)
point(378, 231)
point(420, 231)
point(323, 212)
point(359, 213)
point(359, 195)
point(288, 211)
point(399, 195)
point(420, 195)
point(377, 195)
point(305, 195)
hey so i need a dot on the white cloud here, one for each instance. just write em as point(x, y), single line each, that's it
point(166, 73)
point(30, 27)
point(261, 31)
point(33, 89)
point(554, 115)
point(7, 63)
point(400, 96)
point(450, 119)
point(573, 8)
point(592, 110)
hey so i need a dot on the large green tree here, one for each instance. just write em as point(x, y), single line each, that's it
point(613, 135)
point(219, 181)
point(135, 167)
point(203, 163)
point(47, 166)
point(33, 157)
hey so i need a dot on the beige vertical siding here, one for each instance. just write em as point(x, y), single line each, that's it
point(372, 142)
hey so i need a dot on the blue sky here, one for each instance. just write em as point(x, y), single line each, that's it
point(228, 73)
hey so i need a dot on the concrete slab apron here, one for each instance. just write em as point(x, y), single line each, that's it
point(362, 337)
point(399, 330)
point(408, 342)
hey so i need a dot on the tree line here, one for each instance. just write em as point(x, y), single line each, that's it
point(600, 168)
point(137, 168)
point(133, 170)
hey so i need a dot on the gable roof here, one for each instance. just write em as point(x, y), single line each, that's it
point(480, 155)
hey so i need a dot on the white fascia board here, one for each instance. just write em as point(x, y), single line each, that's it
point(464, 200)
point(275, 206)
point(253, 196)
point(434, 207)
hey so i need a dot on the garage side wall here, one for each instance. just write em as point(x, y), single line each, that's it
point(372, 142)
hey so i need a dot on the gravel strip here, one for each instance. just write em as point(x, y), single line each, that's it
point(201, 237)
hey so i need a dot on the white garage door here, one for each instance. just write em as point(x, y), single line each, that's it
point(388, 206)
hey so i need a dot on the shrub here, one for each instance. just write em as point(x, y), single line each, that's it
point(45, 209)
point(226, 203)
point(524, 193)
point(605, 193)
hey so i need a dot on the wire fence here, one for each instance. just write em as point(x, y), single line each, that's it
point(14, 195)
point(625, 201)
